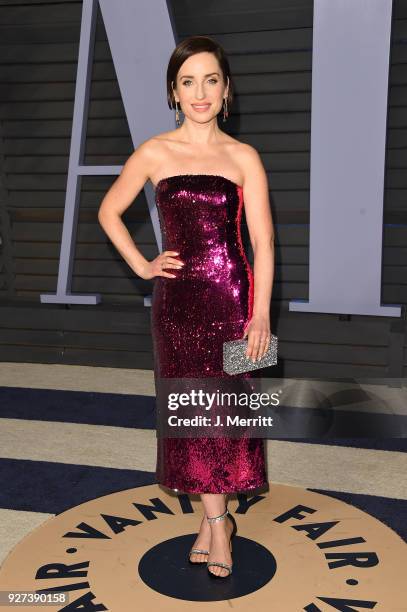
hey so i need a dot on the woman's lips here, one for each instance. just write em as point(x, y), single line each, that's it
point(201, 108)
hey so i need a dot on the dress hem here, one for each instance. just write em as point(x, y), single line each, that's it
point(234, 490)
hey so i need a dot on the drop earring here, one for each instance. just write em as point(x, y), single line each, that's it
point(225, 109)
point(177, 114)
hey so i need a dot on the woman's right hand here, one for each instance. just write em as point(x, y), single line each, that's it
point(165, 259)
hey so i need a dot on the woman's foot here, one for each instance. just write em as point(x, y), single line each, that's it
point(220, 546)
point(203, 542)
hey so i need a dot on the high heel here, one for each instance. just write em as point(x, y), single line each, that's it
point(198, 551)
point(227, 566)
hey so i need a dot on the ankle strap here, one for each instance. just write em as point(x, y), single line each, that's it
point(217, 518)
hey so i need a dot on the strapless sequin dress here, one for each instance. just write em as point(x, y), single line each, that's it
point(210, 301)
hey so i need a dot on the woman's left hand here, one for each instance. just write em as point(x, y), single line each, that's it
point(258, 332)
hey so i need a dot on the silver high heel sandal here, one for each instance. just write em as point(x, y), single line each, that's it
point(198, 551)
point(222, 517)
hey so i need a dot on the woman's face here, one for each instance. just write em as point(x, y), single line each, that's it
point(200, 88)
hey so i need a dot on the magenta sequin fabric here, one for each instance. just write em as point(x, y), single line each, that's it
point(210, 301)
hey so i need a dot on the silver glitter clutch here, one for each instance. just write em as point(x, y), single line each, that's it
point(236, 362)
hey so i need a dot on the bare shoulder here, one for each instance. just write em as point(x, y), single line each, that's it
point(147, 156)
point(152, 147)
point(250, 163)
point(160, 143)
point(156, 149)
point(248, 155)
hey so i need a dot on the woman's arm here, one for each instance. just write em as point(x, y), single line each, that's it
point(261, 231)
point(135, 172)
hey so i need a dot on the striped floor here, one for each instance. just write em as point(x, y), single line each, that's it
point(70, 434)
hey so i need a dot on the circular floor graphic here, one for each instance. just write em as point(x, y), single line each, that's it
point(294, 550)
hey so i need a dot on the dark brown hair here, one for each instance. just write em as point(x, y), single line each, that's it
point(191, 46)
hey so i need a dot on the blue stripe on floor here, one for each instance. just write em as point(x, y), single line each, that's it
point(78, 407)
point(392, 512)
point(52, 488)
point(43, 486)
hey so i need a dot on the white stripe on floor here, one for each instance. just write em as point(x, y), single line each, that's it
point(15, 525)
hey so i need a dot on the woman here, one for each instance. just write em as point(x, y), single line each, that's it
point(204, 289)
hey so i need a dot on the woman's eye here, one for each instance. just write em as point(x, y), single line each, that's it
point(189, 81)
